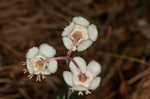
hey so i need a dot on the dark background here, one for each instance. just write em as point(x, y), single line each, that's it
point(122, 48)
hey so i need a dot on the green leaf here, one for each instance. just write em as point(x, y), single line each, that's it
point(61, 93)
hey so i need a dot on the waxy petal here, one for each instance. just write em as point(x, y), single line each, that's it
point(95, 83)
point(81, 21)
point(32, 52)
point(93, 33)
point(81, 63)
point(52, 66)
point(47, 50)
point(68, 29)
point(84, 45)
point(29, 66)
point(94, 67)
point(68, 78)
point(79, 88)
point(68, 43)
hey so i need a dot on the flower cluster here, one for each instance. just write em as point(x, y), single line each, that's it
point(84, 77)
point(78, 36)
point(36, 60)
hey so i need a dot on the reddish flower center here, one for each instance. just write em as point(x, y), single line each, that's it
point(77, 35)
point(83, 77)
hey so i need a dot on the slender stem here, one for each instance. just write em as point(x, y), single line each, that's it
point(69, 52)
point(67, 57)
point(64, 58)
point(66, 94)
point(75, 63)
point(72, 46)
point(60, 58)
point(56, 58)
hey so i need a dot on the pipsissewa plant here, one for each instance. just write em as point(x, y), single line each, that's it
point(78, 36)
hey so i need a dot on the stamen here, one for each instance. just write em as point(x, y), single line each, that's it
point(80, 93)
point(38, 78)
point(87, 92)
point(25, 71)
point(30, 76)
point(43, 77)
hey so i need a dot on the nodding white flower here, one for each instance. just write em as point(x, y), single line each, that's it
point(84, 77)
point(35, 59)
point(81, 32)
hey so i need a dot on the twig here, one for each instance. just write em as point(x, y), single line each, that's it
point(11, 50)
point(141, 61)
point(5, 80)
point(139, 76)
point(11, 96)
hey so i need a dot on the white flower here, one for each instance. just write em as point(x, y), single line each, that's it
point(35, 59)
point(84, 77)
point(81, 32)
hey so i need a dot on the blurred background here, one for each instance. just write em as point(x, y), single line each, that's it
point(122, 48)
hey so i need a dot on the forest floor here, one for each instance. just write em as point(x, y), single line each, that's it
point(122, 48)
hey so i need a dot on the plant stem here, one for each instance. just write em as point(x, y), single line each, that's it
point(60, 58)
point(64, 58)
point(56, 58)
point(75, 63)
point(72, 46)
point(66, 94)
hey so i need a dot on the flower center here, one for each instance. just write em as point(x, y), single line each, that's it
point(77, 35)
point(39, 64)
point(83, 78)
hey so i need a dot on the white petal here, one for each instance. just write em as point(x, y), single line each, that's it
point(81, 21)
point(68, 29)
point(29, 66)
point(68, 78)
point(47, 50)
point(68, 43)
point(32, 52)
point(44, 72)
point(37, 72)
point(52, 66)
point(94, 67)
point(79, 88)
point(81, 63)
point(74, 69)
point(93, 33)
point(84, 45)
point(95, 83)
